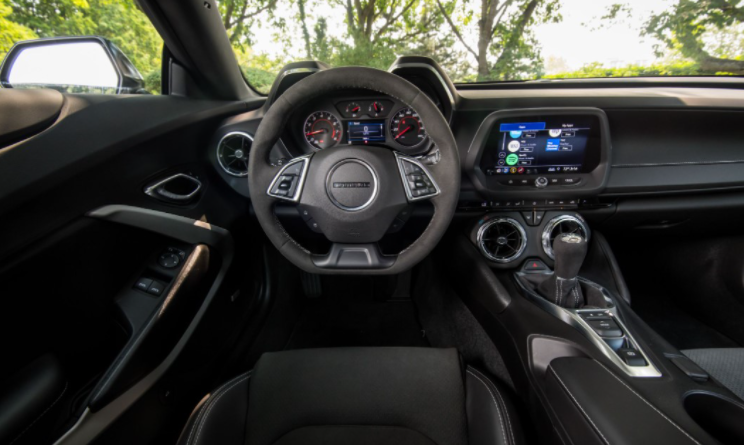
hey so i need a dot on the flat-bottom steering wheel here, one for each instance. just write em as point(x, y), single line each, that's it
point(354, 193)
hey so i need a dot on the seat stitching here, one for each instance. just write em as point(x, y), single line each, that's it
point(579, 405)
point(217, 399)
point(41, 415)
point(501, 418)
point(203, 408)
point(649, 404)
point(503, 403)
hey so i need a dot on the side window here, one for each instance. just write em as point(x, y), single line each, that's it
point(77, 46)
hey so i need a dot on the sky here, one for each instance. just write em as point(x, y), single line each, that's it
point(575, 41)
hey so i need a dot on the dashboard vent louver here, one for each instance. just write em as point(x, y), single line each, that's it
point(502, 240)
point(560, 225)
point(232, 153)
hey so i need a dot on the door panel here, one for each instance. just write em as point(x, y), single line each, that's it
point(68, 274)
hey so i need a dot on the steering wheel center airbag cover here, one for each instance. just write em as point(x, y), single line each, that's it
point(352, 185)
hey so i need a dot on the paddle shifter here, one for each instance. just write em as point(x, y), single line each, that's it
point(562, 287)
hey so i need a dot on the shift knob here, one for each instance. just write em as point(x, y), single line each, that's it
point(562, 287)
point(570, 251)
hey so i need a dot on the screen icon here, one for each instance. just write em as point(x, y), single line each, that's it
point(515, 134)
point(514, 146)
point(553, 145)
point(512, 159)
point(555, 133)
point(520, 170)
point(513, 170)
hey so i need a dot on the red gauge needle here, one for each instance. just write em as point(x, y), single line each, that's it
point(402, 132)
point(355, 110)
point(314, 132)
point(375, 105)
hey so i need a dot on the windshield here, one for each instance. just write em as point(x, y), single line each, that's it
point(492, 40)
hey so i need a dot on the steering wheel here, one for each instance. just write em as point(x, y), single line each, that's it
point(353, 193)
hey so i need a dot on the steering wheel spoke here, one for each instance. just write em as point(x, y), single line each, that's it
point(289, 182)
point(354, 256)
point(417, 180)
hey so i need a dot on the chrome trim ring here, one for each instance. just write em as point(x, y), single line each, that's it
point(553, 223)
point(488, 225)
point(219, 144)
point(375, 185)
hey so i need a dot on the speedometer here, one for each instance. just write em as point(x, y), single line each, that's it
point(322, 130)
point(407, 128)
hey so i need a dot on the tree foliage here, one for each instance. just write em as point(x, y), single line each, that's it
point(474, 40)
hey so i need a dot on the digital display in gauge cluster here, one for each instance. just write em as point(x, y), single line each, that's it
point(362, 132)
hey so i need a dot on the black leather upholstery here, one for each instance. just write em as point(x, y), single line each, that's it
point(412, 396)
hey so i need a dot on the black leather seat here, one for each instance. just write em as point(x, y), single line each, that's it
point(364, 396)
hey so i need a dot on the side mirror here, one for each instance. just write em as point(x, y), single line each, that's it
point(71, 65)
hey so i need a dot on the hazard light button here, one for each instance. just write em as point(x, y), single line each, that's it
point(534, 266)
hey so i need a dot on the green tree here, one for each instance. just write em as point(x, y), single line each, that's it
point(11, 32)
point(505, 48)
point(241, 16)
point(684, 27)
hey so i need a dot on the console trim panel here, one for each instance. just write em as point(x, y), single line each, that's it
point(573, 318)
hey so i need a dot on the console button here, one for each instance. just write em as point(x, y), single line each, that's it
point(529, 218)
point(539, 215)
point(143, 284)
point(541, 182)
point(534, 266)
point(570, 181)
point(606, 328)
point(631, 357)
point(595, 315)
point(156, 288)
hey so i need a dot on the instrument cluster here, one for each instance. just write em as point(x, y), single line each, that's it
point(359, 120)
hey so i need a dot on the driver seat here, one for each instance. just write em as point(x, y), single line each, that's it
point(362, 396)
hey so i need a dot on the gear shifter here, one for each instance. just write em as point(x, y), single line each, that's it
point(562, 287)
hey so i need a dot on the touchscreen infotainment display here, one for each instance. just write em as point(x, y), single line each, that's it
point(549, 145)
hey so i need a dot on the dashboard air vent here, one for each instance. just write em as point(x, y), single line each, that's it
point(232, 153)
point(502, 240)
point(559, 225)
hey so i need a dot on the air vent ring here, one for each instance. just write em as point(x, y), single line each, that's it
point(232, 153)
point(502, 240)
point(563, 224)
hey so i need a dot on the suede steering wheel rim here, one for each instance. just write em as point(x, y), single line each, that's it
point(342, 225)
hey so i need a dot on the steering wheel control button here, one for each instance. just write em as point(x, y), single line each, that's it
point(606, 328)
point(143, 284)
point(177, 251)
point(156, 288)
point(631, 357)
point(541, 182)
point(416, 179)
point(287, 184)
point(169, 260)
point(304, 213)
point(352, 185)
point(313, 225)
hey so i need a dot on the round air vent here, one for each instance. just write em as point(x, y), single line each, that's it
point(559, 225)
point(232, 153)
point(502, 240)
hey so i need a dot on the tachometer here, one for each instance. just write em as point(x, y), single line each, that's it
point(407, 128)
point(322, 130)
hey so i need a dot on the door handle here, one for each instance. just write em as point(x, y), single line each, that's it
point(180, 188)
